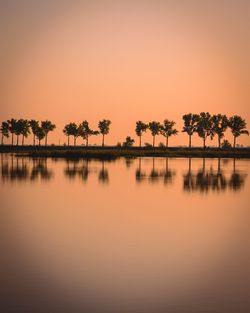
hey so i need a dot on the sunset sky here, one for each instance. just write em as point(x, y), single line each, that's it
point(68, 61)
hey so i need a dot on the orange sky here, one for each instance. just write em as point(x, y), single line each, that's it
point(124, 60)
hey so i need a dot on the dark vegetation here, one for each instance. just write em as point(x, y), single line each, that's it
point(204, 125)
point(123, 151)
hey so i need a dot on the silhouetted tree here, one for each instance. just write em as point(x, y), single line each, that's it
point(205, 127)
point(67, 131)
point(167, 130)
point(40, 134)
point(85, 131)
point(219, 125)
point(18, 129)
point(128, 142)
point(47, 126)
point(4, 130)
point(104, 127)
point(25, 129)
point(238, 127)
point(34, 126)
point(12, 126)
point(140, 129)
point(190, 125)
point(71, 129)
point(155, 128)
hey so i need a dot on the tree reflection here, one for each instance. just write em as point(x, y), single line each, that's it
point(168, 174)
point(40, 169)
point(209, 180)
point(139, 174)
point(103, 175)
point(80, 169)
point(155, 175)
point(237, 179)
point(75, 169)
point(22, 169)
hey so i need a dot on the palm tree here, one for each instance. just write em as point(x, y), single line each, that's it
point(85, 131)
point(40, 134)
point(238, 127)
point(25, 129)
point(167, 130)
point(34, 126)
point(104, 127)
point(140, 129)
point(18, 130)
point(71, 129)
point(12, 126)
point(219, 124)
point(205, 127)
point(47, 127)
point(4, 129)
point(190, 125)
point(155, 128)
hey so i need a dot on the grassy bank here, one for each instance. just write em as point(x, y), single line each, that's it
point(116, 152)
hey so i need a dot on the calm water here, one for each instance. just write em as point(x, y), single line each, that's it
point(129, 236)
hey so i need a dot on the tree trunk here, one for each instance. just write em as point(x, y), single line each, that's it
point(74, 141)
point(140, 142)
point(34, 140)
point(190, 143)
point(2, 140)
point(153, 141)
point(219, 143)
point(46, 139)
point(12, 139)
point(23, 140)
point(167, 142)
point(17, 140)
point(87, 141)
point(39, 142)
point(204, 143)
point(103, 140)
point(234, 142)
point(68, 140)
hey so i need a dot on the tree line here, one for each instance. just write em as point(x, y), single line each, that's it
point(203, 124)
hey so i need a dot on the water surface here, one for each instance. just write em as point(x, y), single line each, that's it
point(141, 235)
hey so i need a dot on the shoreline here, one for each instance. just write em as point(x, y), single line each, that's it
point(113, 152)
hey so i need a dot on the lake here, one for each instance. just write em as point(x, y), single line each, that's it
point(148, 235)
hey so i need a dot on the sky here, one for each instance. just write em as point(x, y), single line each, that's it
point(69, 61)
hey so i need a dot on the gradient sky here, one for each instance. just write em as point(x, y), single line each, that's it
point(124, 60)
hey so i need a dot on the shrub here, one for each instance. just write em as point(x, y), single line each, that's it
point(128, 142)
point(226, 144)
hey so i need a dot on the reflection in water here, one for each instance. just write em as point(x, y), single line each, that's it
point(122, 247)
point(103, 175)
point(129, 162)
point(22, 169)
point(204, 179)
point(209, 180)
point(155, 175)
point(81, 169)
point(40, 169)
point(76, 169)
